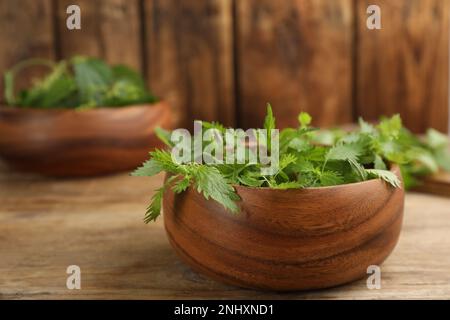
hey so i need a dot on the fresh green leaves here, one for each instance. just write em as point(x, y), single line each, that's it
point(210, 182)
point(390, 142)
point(149, 168)
point(345, 152)
point(154, 209)
point(437, 145)
point(207, 180)
point(330, 178)
point(10, 75)
point(80, 82)
point(269, 120)
point(54, 90)
point(390, 127)
point(304, 119)
point(385, 175)
point(436, 140)
point(378, 163)
point(269, 125)
point(307, 158)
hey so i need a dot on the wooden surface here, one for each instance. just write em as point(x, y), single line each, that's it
point(287, 240)
point(403, 68)
point(298, 57)
point(47, 225)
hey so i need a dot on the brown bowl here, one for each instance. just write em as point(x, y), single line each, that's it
point(80, 142)
point(287, 240)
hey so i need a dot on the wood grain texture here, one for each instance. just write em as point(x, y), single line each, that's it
point(110, 29)
point(403, 68)
point(48, 224)
point(190, 54)
point(297, 56)
point(81, 143)
point(286, 240)
point(438, 184)
point(26, 31)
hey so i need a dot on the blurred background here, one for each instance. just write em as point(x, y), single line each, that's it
point(225, 59)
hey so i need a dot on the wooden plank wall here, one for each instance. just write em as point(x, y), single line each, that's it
point(189, 46)
point(403, 68)
point(26, 30)
point(224, 59)
point(111, 29)
point(297, 56)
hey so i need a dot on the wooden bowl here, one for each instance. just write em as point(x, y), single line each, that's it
point(287, 240)
point(74, 143)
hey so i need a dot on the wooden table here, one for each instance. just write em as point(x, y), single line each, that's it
point(49, 224)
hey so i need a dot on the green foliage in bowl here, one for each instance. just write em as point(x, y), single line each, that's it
point(77, 83)
point(308, 157)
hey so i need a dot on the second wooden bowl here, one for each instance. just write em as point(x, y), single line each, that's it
point(287, 239)
point(80, 143)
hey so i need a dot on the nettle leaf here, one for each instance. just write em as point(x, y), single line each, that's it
point(428, 160)
point(269, 125)
point(249, 176)
point(436, 140)
point(286, 160)
point(51, 90)
point(344, 152)
point(315, 154)
point(299, 144)
point(385, 175)
point(182, 185)
point(212, 184)
point(288, 185)
point(390, 127)
point(10, 76)
point(304, 119)
point(358, 168)
point(286, 136)
point(442, 158)
point(366, 127)
point(164, 136)
point(164, 159)
point(149, 168)
point(393, 152)
point(250, 181)
point(409, 180)
point(379, 163)
point(122, 72)
point(325, 137)
point(93, 78)
point(331, 178)
point(59, 91)
point(154, 209)
point(213, 125)
point(269, 121)
point(303, 165)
